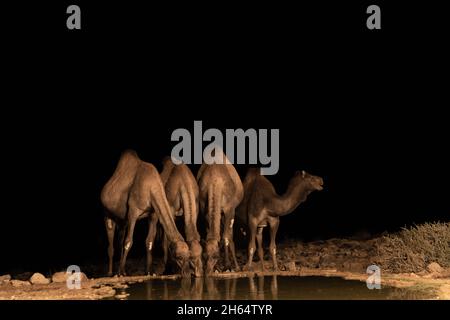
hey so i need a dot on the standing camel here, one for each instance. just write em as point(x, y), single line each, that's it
point(262, 206)
point(135, 191)
point(220, 191)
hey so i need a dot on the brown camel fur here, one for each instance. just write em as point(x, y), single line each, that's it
point(182, 193)
point(220, 191)
point(135, 191)
point(262, 206)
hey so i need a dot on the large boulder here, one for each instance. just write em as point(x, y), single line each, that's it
point(434, 267)
point(38, 278)
point(5, 278)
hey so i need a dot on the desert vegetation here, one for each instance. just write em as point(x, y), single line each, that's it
point(414, 248)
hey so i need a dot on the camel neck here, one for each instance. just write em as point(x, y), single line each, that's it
point(291, 199)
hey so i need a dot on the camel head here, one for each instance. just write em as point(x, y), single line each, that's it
point(180, 254)
point(196, 258)
point(314, 183)
point(212, 255)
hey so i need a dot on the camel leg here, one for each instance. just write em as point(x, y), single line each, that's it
point(251, 244)
point(233, 253)
point(152, 224)
point(128, 239)
point(122, 229)
point(165, 252)
point(228, 239)
point(110, 229)
point(274, 223)
point(259, 239)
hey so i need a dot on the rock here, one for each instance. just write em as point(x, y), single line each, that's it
point(5, 277)
point(121, 296)
point(19, 283)
point(434, 267)
point(60, 277)
point(38, 278)
point(105, 291)
point(121, 286)
point(290, 266)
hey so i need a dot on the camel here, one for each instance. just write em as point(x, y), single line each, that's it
point(182, 193)
point(135, 191)
point(262, 205)
point(220, 190)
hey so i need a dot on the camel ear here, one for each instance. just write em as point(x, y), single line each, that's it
point(303, 173)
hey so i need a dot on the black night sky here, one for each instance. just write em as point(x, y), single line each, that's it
point(366, 112)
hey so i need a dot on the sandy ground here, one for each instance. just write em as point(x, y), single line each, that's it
point(343, 258)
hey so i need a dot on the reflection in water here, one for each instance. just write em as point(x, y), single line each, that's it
point(264, 288)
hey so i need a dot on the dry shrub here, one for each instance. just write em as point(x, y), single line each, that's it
point(412, 249)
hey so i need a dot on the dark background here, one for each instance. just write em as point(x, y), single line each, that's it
point(366, 110)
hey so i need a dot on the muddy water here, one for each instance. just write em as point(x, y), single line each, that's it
point(268, 287)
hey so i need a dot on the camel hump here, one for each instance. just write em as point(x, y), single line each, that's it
point(148, 169)
point(115, 191)
point(184, 171)
point(129, 153)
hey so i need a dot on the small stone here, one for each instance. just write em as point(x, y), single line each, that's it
point(434, 267)
point(19, 283)
point(121, 296)
point(106, 291)
point(216, 271)
point(121, 286)
point(38, 278)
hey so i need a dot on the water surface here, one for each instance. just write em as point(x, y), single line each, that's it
point(266, 287)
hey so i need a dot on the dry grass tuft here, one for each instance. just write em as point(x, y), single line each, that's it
point(412, 249)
